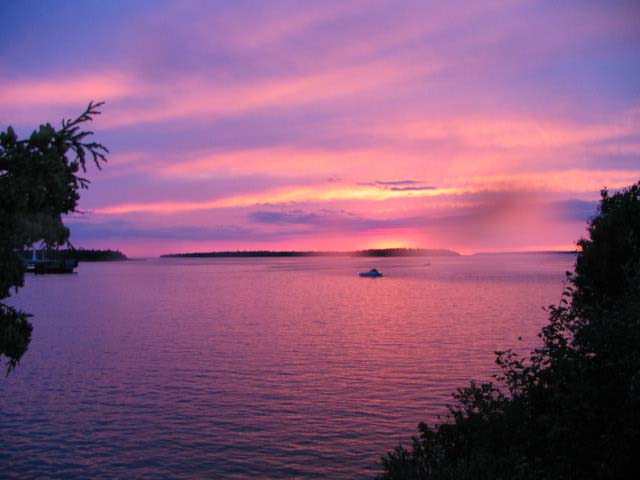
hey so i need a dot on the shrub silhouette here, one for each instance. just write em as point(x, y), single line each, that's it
point(571, 409)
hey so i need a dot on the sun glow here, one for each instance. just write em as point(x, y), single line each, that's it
point(383, 241)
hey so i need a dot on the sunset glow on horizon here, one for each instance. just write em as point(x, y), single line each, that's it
point(334, 125)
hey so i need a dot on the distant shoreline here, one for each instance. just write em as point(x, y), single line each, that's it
point(78, 254)
point(531, 252)
point(377, 252)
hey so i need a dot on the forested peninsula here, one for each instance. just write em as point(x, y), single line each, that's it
point(78, 254)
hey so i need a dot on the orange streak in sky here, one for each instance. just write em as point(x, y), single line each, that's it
point(576, 181)
point(299, 194)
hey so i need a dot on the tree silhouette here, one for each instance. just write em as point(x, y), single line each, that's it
point(571, 409)
point(39, 182)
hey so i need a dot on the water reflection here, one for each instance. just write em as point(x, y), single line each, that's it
point(242, 368)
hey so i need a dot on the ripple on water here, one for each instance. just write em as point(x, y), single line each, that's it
point(255, 368)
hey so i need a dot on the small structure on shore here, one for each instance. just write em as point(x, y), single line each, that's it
point(42, 265)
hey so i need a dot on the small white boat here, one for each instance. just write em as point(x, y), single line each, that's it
point(373, 273)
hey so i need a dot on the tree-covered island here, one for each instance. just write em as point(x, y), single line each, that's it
point(377, 252)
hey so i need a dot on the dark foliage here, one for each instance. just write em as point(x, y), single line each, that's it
point(39, 182)
point(571, 409)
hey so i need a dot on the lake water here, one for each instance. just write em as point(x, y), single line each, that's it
point(256, 368)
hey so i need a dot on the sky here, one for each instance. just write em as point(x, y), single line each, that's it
point(299, 125)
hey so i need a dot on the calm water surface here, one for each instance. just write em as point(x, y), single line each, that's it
point(255, 368)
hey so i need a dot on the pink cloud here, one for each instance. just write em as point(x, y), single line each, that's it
point(66, 89)
point(570, 181)
point(506, 104)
